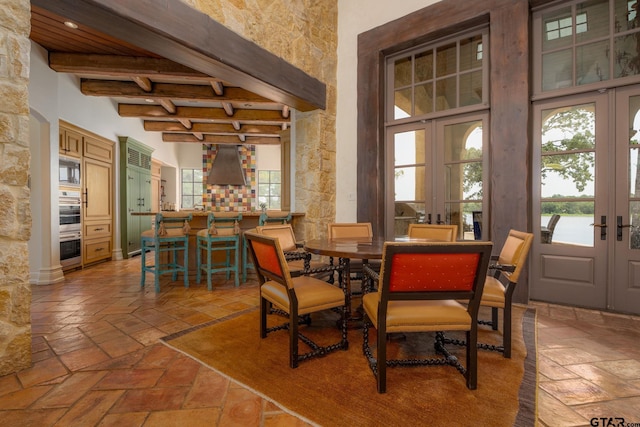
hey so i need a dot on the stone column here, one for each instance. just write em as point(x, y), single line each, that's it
point(303, 33)
point(15, 213)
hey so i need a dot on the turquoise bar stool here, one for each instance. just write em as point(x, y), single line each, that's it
point(266, 217)
point(169, 235)
point(221, 235)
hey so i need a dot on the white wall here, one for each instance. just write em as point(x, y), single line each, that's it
point(352, 20)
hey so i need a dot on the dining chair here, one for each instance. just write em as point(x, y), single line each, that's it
point(298, 297)
point(546, 232)
point(505, 271)
point(356, 231)
point(350, 230)
point(298, 260)
point(443, 232)
point(169, 235)
point(221, 235)
point(419, 285)
point(266, 217)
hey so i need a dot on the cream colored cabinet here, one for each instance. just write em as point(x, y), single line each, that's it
point(97, 208)
point(98, 190)
point(70, 143)
point(96, 180)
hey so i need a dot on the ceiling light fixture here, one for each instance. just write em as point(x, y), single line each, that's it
point(149, 100)
point(71, 24)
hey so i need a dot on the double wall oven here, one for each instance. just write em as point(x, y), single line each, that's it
point(70, 228)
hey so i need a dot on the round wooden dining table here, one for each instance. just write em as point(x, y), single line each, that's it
point(346, 249)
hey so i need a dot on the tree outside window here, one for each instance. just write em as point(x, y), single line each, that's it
point(269, 189)
point(191, 186)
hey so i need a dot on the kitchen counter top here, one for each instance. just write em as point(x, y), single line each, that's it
point(251, 214)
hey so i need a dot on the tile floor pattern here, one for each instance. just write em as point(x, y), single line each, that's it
point(97, 360)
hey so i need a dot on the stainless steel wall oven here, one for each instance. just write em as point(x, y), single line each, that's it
point(70, 228)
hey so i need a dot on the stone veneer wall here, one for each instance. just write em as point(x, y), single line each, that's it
point(305, 34)
point(15, 213)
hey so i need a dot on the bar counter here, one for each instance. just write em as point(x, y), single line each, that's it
point(199, 222)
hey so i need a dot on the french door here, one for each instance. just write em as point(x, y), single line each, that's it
point(438, 174)
point(585, 152)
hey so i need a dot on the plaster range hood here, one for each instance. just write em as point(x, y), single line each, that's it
point(226, 168)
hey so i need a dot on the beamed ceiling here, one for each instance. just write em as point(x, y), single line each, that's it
point(184, 104)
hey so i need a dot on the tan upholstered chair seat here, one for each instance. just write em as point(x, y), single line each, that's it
point(419, 316)
point(493, 294)
point(171, 232)
point(313, 295)
point(220, 232)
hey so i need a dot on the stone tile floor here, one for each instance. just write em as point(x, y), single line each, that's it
point(97, 360)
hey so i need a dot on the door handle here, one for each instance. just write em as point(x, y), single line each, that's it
point(603, 227)
point(620, 226)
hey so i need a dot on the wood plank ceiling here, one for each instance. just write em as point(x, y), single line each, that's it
point(187, 106)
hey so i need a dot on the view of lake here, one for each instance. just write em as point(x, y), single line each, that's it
point(572, 229)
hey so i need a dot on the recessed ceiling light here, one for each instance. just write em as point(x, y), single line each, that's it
point(149, 100)
point(71, 24)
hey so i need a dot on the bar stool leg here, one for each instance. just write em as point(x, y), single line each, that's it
point(185, 266)
point(198, 260)
point(209, 283)
point(237, 264)
point(156, 267)
point(143, 265)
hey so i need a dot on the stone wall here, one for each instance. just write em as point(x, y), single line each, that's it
point(303, 33)
point(15, 213)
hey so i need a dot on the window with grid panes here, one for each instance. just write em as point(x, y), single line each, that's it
point(441, 77)
point(191, 188)
point(269, 189)
point(588, 42)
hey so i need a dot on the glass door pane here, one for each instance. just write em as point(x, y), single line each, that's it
point(567, 172)
point(633, 148)
point(409, 171)
point(624, 230)
point(462, 148)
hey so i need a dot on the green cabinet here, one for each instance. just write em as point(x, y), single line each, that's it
point(135, 193)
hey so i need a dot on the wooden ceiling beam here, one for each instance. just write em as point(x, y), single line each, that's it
point(167, 105)
point(143, 82)
point(121, 66)
point(228, 108)
point(185, 92)
point(215, 139)
point(186, 123)
point(216, 115)
point(212, 128)
point(218, 87)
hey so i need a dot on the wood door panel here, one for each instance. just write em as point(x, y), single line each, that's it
point(98, 190)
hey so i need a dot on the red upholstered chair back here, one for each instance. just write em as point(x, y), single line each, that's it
point(434, 270)
point(268, 259)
